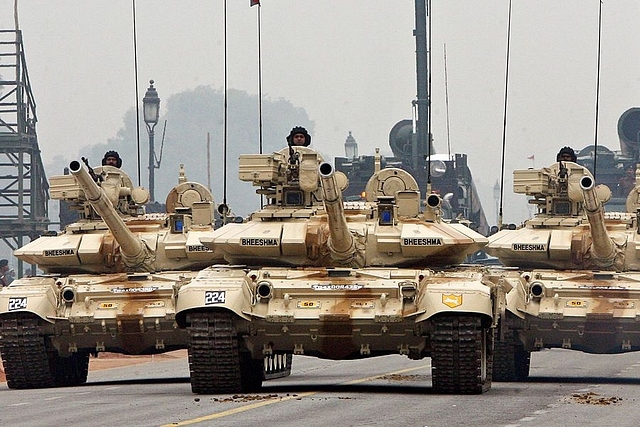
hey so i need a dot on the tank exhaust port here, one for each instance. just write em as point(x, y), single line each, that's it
point(264, 291)
point(536, 290)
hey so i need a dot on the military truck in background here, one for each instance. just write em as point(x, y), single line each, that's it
point(610, 165)
point(313, 275)
point(449, 175)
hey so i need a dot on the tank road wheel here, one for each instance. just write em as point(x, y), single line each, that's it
point(462, 355)
point(24, 353)
point(277, 366)
point(511, 361)
point(215, 362)
point(70, 371)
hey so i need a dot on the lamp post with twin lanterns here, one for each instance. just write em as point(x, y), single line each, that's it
point(151, 108)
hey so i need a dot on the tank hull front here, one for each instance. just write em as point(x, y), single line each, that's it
point(589, 311)
point(342, 314)
point(50, 325)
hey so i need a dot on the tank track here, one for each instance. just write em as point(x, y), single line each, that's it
point(511, 361)
point(215, 361)
point(24, 354)
point(462, 355)
point(30, 363)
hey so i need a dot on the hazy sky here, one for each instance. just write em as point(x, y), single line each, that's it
point(350, 64)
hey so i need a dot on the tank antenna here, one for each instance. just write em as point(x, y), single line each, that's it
point(595, 137)
point(259, 75)
point(224, 160)
point(258, 13)
point(446, 100)
point(504, 120)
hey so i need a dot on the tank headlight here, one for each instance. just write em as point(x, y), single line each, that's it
point(68, 294)
point(536, 289)
point(264, 290)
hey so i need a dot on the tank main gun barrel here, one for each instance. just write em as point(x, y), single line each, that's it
point(603, 248)
point(134, 251)
point(341, 241)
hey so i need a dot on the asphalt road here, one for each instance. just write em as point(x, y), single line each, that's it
point(566, 388)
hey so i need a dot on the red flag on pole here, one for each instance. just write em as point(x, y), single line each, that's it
point(531, 157)
point(254, 2)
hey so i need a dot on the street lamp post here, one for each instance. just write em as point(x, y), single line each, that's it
point(151, 108)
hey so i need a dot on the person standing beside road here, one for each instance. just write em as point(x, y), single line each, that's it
point(6, 276)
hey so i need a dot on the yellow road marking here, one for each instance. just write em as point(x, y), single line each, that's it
point(284, 399)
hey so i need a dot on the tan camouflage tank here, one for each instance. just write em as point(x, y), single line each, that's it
point(577, 283)
point(111, 278)
point(317, 276)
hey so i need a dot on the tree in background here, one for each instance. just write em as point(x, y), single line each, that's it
point(190, 115)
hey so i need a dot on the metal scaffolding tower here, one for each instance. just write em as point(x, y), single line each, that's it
point(24, 190)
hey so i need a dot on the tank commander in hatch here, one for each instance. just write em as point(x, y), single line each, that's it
point(112, 158)
point(299, 137)
point(566, 154)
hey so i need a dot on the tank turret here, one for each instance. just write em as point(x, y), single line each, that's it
point(570, 228)
point(306, 222)
point(135, 253)
point(115, 234)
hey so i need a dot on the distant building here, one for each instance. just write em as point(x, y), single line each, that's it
point(351, 147)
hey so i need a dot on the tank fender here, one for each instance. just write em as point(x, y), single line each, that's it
point(38, 298)
point(215, 288)
point(458, 296)
point(510, 290)
point(517, 300)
